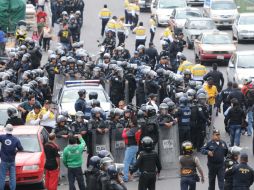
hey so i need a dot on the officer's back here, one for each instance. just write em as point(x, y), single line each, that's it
point(243, 174)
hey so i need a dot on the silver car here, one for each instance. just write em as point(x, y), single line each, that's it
point(240, 67)
point(243, 27)
point(196, 26)
point(179, 16)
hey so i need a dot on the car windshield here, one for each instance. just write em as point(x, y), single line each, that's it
point(187, 14)
point(217, 39)
point(244, 61)
point(223, 5)
point(246, 20)
point(170, 4)
point(202, 25)
point(70, 96)
point(30, 143)
point(4, 116)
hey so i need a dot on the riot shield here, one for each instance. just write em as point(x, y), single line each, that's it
point(62, 143)
point(117, 145)
point(169, 147)
point(58, 84)
point(100, 141)
point(107, 86)
point(126, 92)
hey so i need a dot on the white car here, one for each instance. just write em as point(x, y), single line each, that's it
point(240, 66)
point(162, 9)
point(243, 27)
point(179, 16)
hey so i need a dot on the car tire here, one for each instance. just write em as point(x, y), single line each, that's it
point(197, 60)
point(189, 45)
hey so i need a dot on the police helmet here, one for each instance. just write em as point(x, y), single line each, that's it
point(17, 88)
point(106, 56)
point(141, 47)
point(61, 118)
point(112, 171)
point(12, 112)
point(79, 114)
point(187, 72)
point(77, 12)
point(27, 74)
point(95, 162)
point(140, 114)
point(81, 92)
point(104, 153)
point(80, 63)
point(65, 13)
point(187, 147)
point(23, 48)
point(183, 58)
point(166, 100)
point(163, 108)
point(105, 162)
point(71, 60)
point(10, 85)
point(160, 71)
point(183, 101)
point(94, 111)
point(52, 56)
point(150, 110)
point(171, 106)
point(202, 97)
point(147, 143)
point(143, 107)
point(63, 58)
point(93, 95)
point(201, 90)
point(191, 93)
point(96, 103)
point(234, 150)
point(152, 74)
point(65, 114)
point(192, 84)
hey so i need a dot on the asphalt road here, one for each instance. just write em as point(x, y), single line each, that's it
point(91, 33)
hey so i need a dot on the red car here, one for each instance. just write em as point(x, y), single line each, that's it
point(30, 162)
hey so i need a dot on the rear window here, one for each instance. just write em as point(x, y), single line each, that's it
point(70, 96)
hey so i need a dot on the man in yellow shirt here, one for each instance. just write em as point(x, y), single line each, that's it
point(184, 65)
point(167, 35)
point(198, 72)
point(122, 31)
point(47, 117)
point(211, 92)
point(111, 25)
point(32, 117)
point(152, 23)
point(104, 15)
point(140, 32)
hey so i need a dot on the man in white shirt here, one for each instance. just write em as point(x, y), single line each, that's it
point(152, 100)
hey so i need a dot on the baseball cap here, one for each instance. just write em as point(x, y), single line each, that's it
point(8, 129)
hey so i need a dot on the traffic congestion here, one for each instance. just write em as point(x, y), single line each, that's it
point(133, 94)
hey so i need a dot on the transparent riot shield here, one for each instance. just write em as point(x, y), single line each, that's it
point(62, 143)
point(169, 147)
point(100, 141)
point(58, 84)
point(126, 92)
point(117, 145)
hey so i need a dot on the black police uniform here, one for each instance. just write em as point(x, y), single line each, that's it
point(116, 89)
point(243, 176)
point(153, 56)
point(15, 121)
point(152, 86)
point(102, 181)
point(236, 93)
point(147, 162)
point(80, 105)
point(229, 163)
point(223, 98)
point(91, 177)
point(216, 163)
point(114, 185)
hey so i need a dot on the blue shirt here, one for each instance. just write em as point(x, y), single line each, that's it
point(2, 37)
point(9, 147)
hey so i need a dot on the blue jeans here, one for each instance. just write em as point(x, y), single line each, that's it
point(250, 122)
point(129, 158)
point(188, 183)
point(235, 134)
point(4, 167)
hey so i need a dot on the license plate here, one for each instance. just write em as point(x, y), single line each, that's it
point(220, 57)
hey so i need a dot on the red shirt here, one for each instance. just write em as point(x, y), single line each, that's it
point(40, 15)
point(245, 88)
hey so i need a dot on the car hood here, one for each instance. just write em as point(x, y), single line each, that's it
point(246, 27)
point(26, 159)
point(180, 22)
point(224, 12)
point(245, 72)
point(164, 12)
point(218, 47)
point(197, 31)
point(106, 106)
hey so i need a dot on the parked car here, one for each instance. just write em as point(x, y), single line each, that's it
point(162, 9)
point(179, 16)
point(69, 94)
point(214, 46)
point(194, 27)
point(240, 67)
point(243, 27)
point(30, 162)
point(223, 12)
point(145, 5)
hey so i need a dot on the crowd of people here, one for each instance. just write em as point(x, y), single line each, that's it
point(168, 90)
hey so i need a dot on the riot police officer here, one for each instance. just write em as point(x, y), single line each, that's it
point(164, 119)
point(151, 84)
point(230, 162)
point(103, 178)
point(80, 104)
point(243, 174)
point(189, 165)
point(13, 117)
point(62, 130)
point(117, 86)
point(115, 182)
point(216, 150)
point(149, 165)
point(92, 172)
point(184, 114)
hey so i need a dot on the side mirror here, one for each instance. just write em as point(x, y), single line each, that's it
point(230, 65)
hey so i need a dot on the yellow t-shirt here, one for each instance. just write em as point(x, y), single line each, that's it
point(212, 93)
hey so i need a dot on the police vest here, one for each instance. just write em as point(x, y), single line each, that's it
point(186, 114)
point(111, 25)
point(105, 13)
point(188, 165)
point(119, 27)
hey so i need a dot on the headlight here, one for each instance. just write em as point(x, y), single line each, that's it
point(32, 167)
